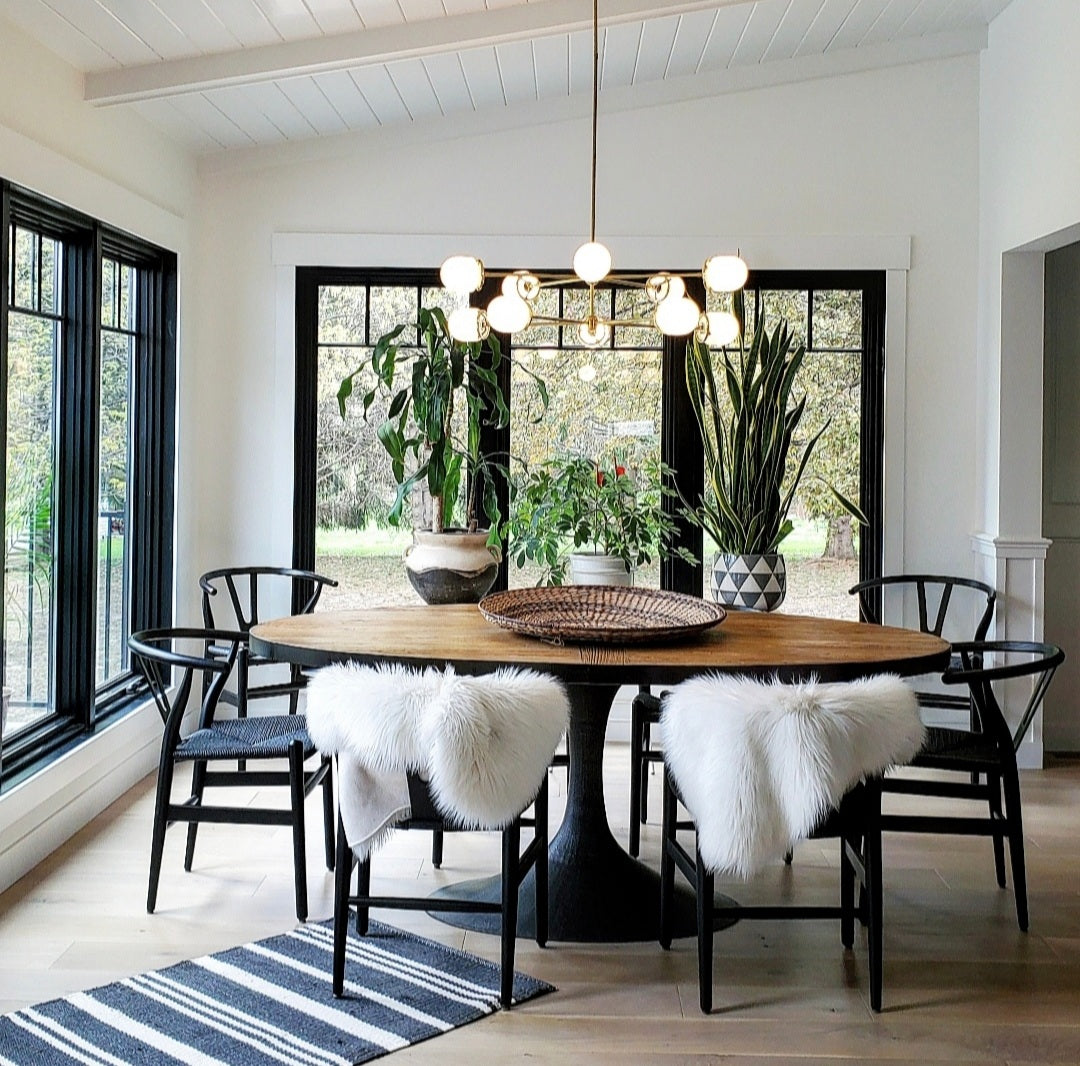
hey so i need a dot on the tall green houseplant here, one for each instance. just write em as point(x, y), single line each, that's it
point(748, 417)
point(432, 380)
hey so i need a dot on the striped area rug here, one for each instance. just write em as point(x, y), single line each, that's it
point(268, 1002)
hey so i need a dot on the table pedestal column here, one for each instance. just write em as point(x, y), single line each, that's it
point(597, 892)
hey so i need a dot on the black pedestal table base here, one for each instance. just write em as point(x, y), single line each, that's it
point(596, 891)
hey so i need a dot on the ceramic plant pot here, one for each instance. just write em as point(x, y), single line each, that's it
point(451, 567)
point(749, 582)
point(588, 568)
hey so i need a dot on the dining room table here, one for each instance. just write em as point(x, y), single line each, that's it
point(597, 892)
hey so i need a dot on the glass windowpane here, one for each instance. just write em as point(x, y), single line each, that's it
point(838, 319)
point(118, 347)
point(33, 352)
point(342, 310)
point(355, 488)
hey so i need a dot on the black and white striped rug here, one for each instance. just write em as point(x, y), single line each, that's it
point(268, 1002)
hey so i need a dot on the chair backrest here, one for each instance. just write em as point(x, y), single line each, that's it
point(758, 764)
point(938, 611)
point(158, 651)
point(248, 586)
point(982, 663)
point(483, 743)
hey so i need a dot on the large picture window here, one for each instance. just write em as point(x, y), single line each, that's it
point(625, 401)
point(87, 371)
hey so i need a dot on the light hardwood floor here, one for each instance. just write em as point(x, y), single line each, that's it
point(962, 984)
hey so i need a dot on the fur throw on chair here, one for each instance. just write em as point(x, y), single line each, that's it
point(482, 743)
point(759, 764)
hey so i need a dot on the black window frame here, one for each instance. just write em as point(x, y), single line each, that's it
point(680, 445)
point(80, 705)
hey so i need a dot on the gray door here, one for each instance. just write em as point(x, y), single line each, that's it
point(1061, 490)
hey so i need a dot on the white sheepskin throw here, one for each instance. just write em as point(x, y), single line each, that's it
point(482, 743)
point(758, 764)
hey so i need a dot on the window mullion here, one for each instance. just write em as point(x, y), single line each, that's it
point(74, 490)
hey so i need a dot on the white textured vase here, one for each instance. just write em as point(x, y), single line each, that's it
point(454, 566)
point(588, 568)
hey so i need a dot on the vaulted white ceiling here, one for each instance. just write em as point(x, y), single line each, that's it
point(221, 74)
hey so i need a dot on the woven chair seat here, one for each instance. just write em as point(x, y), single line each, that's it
point(956, 746)
point(263, 737)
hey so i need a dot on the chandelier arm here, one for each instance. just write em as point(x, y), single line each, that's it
point(550, 320)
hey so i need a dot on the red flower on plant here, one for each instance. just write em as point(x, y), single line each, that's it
point(599, 476)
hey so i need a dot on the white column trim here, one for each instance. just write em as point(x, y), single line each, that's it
point(996, 547)
point(1015, 566)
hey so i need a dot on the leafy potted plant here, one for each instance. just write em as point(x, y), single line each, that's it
point(591, 521)
point(441, 393)
point(747, 415)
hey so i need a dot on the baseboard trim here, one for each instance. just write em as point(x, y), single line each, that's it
point(49, 807)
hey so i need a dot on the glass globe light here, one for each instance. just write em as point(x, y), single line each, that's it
point(592, 262)
point(522, 284)
point(677, 317)
point(717, 328)
point(724, 273)
point(462, 273)
point(508, 314)
point(468, 325)
point(657, 287)
point(593, 332)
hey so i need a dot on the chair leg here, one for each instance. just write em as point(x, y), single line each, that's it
point(993, 784)
point(511, 860)
point(1016, 844)
point(643, 772)
point(874, 938)
point(363, 888)
point(871, 844)
point(342, 876)
point(328, 811)
point(296, 788)
point(198, 784)
point(847, 893)
point(157, 843)
point(436, 848)
point(637, 762)
point(540, 867)
point(667, 863)
point(704, 893)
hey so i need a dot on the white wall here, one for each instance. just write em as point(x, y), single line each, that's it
point(891, 152)
point(115, 167)
point(1030, 203)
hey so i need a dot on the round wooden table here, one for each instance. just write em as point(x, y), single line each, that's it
point(597, 891)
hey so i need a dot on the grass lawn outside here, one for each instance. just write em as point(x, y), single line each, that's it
point(367, 565)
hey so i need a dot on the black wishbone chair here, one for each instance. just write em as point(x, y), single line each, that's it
point(436, 751)
point(753, 777)
point(986, 753)
point(158, 653)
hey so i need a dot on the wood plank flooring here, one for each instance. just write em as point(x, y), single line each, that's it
point(962, 984)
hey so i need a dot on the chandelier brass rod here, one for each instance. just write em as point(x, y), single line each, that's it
point(595, 96)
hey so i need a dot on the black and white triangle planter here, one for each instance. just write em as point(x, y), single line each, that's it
point(749, 582)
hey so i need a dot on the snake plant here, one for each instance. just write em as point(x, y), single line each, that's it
point(747, 416)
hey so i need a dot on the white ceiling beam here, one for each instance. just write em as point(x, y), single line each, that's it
point(382, 44)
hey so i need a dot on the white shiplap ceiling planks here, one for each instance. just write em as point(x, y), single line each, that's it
point(218, 74)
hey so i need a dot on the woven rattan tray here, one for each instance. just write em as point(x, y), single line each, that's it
point(600, 614)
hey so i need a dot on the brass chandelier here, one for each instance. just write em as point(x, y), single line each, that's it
point(669, 309)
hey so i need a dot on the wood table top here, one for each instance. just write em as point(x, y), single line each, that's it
point(746, 642)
